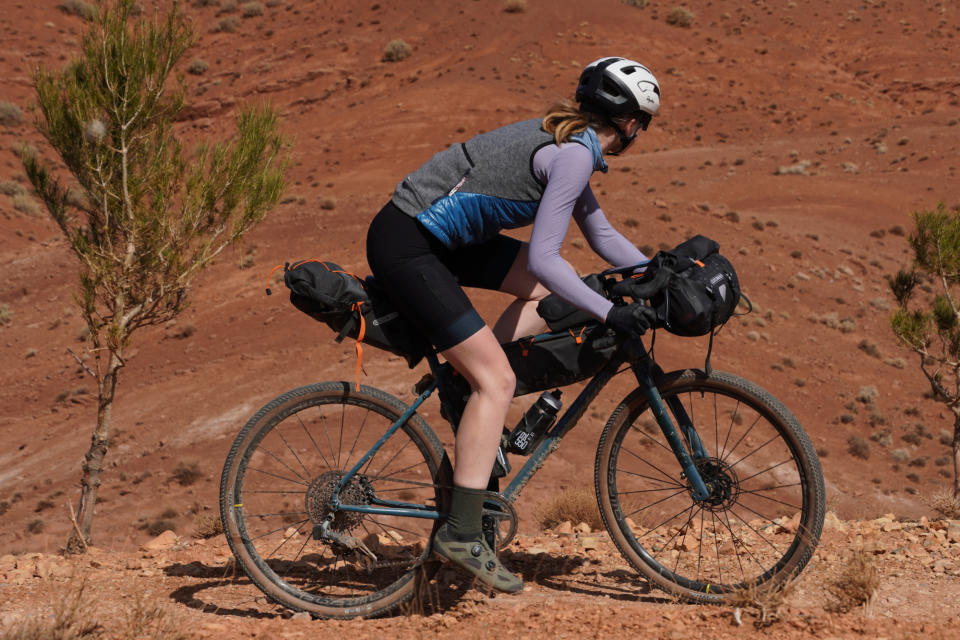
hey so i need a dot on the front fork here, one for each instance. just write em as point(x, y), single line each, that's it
point(644, 369)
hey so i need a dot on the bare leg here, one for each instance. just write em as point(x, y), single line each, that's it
point(482, 362)
point(520, 317)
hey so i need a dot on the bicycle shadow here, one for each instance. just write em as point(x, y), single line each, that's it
point(226, 591)
point(573, 573)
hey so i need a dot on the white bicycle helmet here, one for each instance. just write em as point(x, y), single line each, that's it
point(619, 87)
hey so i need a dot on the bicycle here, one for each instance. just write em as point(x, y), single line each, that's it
point(706, 483)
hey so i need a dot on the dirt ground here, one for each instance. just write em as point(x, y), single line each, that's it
point(800, 135)
point(576, 586)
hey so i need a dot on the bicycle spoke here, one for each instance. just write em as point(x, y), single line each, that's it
point(741, 439)
point(673, 484)
point(315, 446)
point(363, 425)
point(280, 433)
point(285, 465)
point(650, 464)
point(775, 437)
point(760, 473)
point(786, 504)
point(301, 481)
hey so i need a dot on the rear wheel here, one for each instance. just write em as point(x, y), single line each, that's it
point(275, 498)
point(763, 518)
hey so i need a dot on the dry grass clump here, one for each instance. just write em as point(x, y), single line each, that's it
point(251, 9)
point(575, 505)
point(207, 525)
point(72, 615)
point(639, 4)
point(6, 314)
point(858, 447)
point(198, 67)
point(515, 6)
point(228, 25)
point(396, 50)
point(681, 17)
point(187, 473)
point(9, 187)
point(946, 504)
point(77, 8)
point(10, 114)
point(26, 205)
point(857, 584)
point(767, 605)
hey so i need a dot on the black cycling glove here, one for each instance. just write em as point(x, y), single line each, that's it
point(631, 319)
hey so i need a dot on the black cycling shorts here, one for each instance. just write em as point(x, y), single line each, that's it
point(423, 278)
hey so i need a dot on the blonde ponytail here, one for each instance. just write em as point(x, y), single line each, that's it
point(564, 120)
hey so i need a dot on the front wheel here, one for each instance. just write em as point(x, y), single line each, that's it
point(763, 518)
point(275, 500)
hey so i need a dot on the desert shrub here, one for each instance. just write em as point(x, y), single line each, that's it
point(395, 51)
point(858, 447)
point(169, 513)
point(11, 188)
point(639, 4)
point(681, 17)
point(870, 348)
point(867, 394)
point(946, 504)
point(26, 204)
point(6, 314)
point(10, 115)
point(77, 8)
point(229, 24)
point(328, 203)
point(515, 6)
point(187, 473)
point(4, 506)
point(856, 585)
point(36, 526)
point(158, 526)
point(205, 3)
point(251, 9)
point(575, 505)
point(766, 605)
point(198, 67)
point(207, 526)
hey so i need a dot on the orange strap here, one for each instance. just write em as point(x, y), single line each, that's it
point(359, 343)
point(578, 336)
point(525, 348)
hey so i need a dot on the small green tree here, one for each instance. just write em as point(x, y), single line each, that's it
point(931, 327)
point(151, 217)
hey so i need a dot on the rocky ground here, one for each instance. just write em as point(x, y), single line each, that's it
point(576, 586)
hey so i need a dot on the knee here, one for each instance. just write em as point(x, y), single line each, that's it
point(499, 384)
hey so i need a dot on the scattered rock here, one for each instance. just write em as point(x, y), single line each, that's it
point(163, 542)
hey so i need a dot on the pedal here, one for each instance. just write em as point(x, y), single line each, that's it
point(501, 466)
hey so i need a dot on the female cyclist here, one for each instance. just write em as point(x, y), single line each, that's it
point(441, 232)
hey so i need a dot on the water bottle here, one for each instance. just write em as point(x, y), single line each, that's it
point(534, 424)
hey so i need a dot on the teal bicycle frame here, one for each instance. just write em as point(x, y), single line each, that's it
point(645, 370)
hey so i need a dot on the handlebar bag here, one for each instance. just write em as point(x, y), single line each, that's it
point(693, 288)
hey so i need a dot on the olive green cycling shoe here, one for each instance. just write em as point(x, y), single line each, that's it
point(476, 557)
